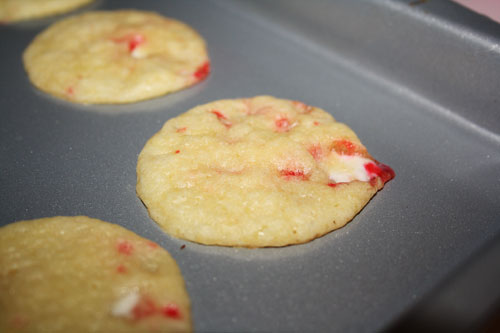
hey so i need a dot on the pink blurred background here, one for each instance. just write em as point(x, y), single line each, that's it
point(490, 8)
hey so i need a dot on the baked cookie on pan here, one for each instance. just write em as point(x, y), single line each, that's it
point(123, 56)
point(77, 274)
point(256, 172)
point(18, 10)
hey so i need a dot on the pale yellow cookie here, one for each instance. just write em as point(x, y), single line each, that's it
point(120, 56)
point(18, 10)
point(256, 172)
point(77, 274)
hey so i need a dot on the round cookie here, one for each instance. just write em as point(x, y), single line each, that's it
point(123, 56)
point(18, 10)
point(77, 274)
point(256, 172)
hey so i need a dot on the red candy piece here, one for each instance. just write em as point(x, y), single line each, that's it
point(181, 130)
point(345, 147)
point(335, 184)
point(222, 118)
point(218, 114)
point(202, 71)
point(282, 124)
point(121, 269)
point(125, 247)
point(144, 308)
point(133, 41)
point(152, 245)
point(70, 90)
point(171, 311)
point(302, 106)
point(297, 174)
point(316, 152)
point(177, 151)
point(384, 172)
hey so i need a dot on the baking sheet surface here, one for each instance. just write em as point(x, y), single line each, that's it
point(57, 158)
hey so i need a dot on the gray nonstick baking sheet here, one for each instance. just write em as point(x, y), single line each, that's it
point(417, 81)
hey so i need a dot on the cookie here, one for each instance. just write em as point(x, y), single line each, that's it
point(77, 274)
point(256, 172)
point(18, 10)
point(110, 57)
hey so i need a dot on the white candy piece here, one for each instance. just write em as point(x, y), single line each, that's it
point(123, 307)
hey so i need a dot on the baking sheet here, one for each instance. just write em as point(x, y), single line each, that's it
point(58, 158)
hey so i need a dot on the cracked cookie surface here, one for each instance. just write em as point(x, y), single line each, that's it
point(19, 10)
point(77, 274)
point(256, 172)
point(111, 57)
